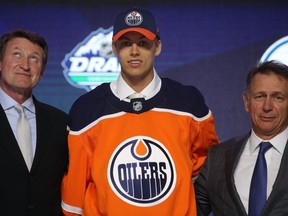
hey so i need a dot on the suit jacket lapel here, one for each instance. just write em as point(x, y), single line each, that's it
point(8, 139)
point(280, 181)
point(232, 158)
point(282, 173)
point(43, 125)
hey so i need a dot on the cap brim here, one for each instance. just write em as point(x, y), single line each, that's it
point(148, 34)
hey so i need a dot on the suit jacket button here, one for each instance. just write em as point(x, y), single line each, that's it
point(30, 207)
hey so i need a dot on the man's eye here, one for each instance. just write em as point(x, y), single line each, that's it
point(17, 54)
point(34, 58)
point(278, 98)
point(126, 43)
point(142, 43)
point(259, 97)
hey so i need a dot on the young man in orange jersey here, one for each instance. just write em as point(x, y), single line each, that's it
point(136, 143)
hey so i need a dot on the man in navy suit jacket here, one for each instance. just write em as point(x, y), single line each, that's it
point(29, 190)
point(223, 185)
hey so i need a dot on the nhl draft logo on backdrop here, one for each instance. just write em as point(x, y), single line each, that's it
point(92, 61)
point(141, 172)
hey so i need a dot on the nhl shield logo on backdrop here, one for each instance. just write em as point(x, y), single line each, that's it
point(141, 172)
point(92, 61)
point(277, 51)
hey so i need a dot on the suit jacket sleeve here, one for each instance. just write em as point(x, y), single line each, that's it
point(201, 185)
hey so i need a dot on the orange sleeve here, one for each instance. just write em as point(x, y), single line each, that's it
point(205, 138)
point(75, 181)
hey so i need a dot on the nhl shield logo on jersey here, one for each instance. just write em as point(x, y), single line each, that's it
point(141, 172)
point(137, 106)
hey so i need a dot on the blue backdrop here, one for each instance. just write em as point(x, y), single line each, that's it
point(209, 45)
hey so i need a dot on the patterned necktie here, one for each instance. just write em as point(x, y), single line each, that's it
point(24, 136)
point(257, 197)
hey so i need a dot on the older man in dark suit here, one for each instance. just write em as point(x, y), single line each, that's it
point(32, 171)
point(248, 175)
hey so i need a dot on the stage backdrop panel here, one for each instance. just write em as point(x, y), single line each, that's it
point(209, 45)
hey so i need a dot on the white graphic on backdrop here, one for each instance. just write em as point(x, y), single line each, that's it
point(92, 61)
point(277, 51)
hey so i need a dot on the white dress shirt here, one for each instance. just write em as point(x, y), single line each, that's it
point(245, 167)
point(29, 109)
point(122, 90)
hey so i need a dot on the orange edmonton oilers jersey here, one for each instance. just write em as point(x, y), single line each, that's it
point(138, 157)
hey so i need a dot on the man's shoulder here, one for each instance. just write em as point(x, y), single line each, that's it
point(231, 144)
point(185, 98)
point(91, 97)
point(48, 108)
point(177, 85)
point(90, 106)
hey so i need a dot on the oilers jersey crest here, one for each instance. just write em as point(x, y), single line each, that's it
point(141, 171)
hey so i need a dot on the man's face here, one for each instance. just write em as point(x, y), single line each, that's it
point(136, 55)
point(267, 104)
point(21, 67)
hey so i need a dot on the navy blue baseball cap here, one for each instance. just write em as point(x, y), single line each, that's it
point(137, 20)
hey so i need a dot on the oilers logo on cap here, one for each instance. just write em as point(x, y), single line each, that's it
point(134, 19)
point(137, 20)
point(141, 172)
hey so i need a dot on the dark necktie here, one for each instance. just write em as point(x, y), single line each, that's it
point(257, 197)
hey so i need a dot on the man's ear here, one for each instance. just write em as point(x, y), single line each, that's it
point(246, 101)
point(114, 49)
point(158, 48)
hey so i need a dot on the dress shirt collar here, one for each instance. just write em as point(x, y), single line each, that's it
point(122, 90)
point(278, 142)
point(7, 102)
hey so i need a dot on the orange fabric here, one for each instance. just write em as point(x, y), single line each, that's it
point(186, 139)
point(148, 34)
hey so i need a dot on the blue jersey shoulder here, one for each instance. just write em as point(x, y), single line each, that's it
point(88, 107)
point(184, 98)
